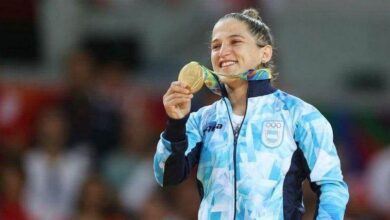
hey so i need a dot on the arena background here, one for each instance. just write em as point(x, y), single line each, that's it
point(81, 83)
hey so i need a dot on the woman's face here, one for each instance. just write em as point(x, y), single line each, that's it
point(233, 48)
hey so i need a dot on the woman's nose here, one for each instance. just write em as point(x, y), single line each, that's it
point(225, 50)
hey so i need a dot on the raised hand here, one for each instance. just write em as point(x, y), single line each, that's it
point(177, 100)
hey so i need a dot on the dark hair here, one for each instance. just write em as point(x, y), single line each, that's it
point(259, 30)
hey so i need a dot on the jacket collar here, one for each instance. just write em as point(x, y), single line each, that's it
point(256, 88)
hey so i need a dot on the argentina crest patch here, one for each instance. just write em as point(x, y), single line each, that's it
point(272, 133)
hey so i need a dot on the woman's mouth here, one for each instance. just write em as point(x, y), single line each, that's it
point(224, 64)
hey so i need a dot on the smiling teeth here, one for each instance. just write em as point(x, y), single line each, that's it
point(228, 63)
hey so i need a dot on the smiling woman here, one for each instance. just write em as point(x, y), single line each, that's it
point(231, 32)
point(256, 145)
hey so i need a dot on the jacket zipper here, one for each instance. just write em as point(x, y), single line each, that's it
point(236, 134)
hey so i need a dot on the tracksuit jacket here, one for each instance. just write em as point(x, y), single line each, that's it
point(257, 171)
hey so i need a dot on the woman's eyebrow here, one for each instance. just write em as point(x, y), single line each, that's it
point(236, 35)
point(230, 36)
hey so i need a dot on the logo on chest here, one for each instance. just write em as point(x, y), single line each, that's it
point(272, 134)
point(211, 126)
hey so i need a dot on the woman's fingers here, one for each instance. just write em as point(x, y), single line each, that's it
point(179, 87)
point(177, 96)
point(178, 101)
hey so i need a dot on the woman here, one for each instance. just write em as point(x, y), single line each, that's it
point(256, 145)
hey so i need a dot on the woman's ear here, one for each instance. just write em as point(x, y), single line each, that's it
point(267, 54)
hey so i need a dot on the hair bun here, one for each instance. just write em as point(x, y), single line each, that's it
point(252, 13)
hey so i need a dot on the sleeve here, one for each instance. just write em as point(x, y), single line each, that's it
point(314, 136)
point(177, 151)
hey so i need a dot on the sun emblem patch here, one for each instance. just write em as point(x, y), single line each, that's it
point(272, 133)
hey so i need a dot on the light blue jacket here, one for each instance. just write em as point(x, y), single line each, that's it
point(256, 173)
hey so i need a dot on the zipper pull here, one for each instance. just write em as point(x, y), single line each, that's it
point(235, 138)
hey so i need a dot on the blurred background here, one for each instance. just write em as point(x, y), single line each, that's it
point(81, 85)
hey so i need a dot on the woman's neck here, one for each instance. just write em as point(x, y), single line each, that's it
point(237, 96)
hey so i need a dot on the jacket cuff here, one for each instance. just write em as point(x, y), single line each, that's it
point(175, 130)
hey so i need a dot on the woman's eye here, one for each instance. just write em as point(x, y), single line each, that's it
point(235, 42)
point(215, 47)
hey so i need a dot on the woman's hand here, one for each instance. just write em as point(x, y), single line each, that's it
point(177, 100)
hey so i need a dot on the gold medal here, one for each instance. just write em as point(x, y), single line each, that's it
point(192, 74)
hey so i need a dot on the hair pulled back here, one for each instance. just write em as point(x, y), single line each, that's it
point(259, 30)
